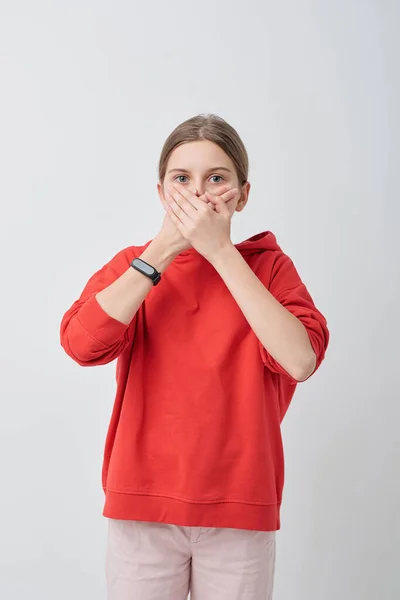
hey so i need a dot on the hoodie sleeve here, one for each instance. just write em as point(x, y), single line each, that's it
point(287, 287)
point(87, 333)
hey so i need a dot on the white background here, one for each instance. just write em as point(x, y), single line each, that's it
point(89, 92)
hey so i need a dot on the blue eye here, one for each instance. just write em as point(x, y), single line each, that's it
point(217, 176)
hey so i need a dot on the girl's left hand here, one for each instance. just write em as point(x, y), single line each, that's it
point(206, 226)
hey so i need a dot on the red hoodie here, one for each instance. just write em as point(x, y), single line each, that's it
point(194, 437)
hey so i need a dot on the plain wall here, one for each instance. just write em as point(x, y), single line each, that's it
point(89, 92)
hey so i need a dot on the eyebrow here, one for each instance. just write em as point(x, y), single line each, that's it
point(208, 171)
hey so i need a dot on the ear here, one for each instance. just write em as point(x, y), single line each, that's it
point(161, 194)
point(244, 196)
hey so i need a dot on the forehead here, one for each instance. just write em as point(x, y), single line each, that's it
point(201, 154)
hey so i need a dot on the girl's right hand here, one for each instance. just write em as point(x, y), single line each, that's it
point(171, 235)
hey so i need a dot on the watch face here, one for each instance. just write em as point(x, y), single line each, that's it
point(145, 267)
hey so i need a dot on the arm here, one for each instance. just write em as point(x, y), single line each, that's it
point(121, 299)
point(101, 323)
point(293, 339)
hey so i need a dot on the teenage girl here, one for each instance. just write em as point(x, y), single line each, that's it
point(211, 339)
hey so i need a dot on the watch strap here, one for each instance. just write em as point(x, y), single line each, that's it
point(146, 269)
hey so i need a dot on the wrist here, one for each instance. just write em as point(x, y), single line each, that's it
point(222, 254)
point(158, 254)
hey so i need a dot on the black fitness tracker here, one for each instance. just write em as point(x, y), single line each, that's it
point(144, 267)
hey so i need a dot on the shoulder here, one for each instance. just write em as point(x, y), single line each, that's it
point(270, 264)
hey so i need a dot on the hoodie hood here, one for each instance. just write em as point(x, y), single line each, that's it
point(257, 243)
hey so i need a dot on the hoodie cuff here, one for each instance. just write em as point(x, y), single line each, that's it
point(99, 325)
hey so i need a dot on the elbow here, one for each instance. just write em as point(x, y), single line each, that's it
point(86, 353)
point(306, 369)
point(91, 337)
point(78, 356)
point(90, 360)
point(84, 348)
point(86, 357)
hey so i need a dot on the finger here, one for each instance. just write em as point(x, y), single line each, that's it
point(206, 201)
point(175, 219)
point(166, 199)
point(230, 194)
point(178, 224)
point(188, 195)
point(182, 200)
point(220, 205)
point(179, 212)
point(222, 189)
point(226, 196)
point(172, 203)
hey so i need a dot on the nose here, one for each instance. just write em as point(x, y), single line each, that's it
point(198, 191)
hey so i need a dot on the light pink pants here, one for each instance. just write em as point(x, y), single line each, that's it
point(160, 561)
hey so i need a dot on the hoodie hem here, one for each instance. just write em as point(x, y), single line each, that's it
point(164, 509)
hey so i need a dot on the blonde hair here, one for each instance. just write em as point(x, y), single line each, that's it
point(207, 127)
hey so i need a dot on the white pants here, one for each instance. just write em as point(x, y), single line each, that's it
point(159, 561)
